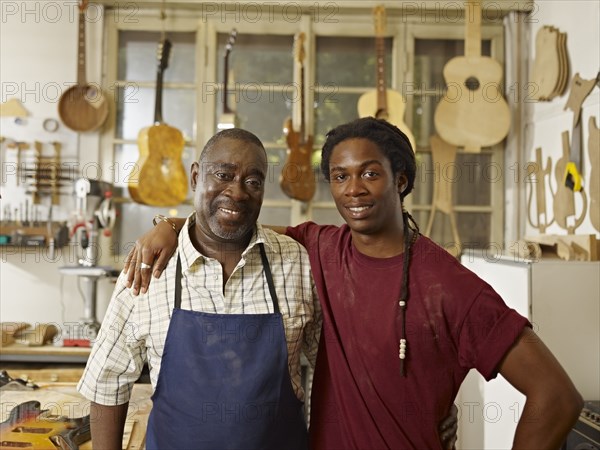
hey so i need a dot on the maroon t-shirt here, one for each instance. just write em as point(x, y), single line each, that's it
point(455, 321)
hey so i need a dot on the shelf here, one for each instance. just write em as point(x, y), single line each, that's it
point(45, 353)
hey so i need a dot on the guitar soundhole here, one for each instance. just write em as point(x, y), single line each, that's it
point(472, 83)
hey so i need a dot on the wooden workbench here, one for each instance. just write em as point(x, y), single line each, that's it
point(63, 399)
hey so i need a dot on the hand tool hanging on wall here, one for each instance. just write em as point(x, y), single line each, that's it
point(580, 89)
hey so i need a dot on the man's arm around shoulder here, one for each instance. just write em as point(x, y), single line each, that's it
point(553, 403)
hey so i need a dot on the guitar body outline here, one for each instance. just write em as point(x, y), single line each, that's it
point(161, 147)
point(396, 108)
point(473, 118)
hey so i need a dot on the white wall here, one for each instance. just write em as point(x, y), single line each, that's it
point(580, 20)
point(38, 48)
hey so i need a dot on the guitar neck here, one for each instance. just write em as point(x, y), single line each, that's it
point(473, 28)
point(380, 74)
point(226, 108)
point(81, 76)
point(302, 110)
point(158, 102)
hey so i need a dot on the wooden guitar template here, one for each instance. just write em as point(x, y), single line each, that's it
point(550, 71)
point(473, 112)
point(384, 103)
point(594, 154)
point(161, 179)
point(28, 426)
point(228, 118)
point(443, 156)
point(537, 175)
point(297, 179)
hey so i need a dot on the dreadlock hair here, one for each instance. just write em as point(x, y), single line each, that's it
point(394, 144)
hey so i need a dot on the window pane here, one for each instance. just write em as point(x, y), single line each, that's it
point(138, 56)
point(474, 174)
point(350, 61)
point(136, 110)
point(261, 110)
point(257, 59)
point(139, 220)
point(474, 229)
point(333, 109)
point(276, 158)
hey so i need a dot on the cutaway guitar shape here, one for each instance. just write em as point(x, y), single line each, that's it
point(297, 179)
point(383, 103)
point(28, 426)
point(161, 179)
point(473, 113)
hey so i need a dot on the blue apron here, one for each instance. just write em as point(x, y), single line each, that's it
point(224, 382)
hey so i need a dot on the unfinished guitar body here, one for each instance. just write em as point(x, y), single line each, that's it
point(28, 426)
point(473, 113)
point(161, 178)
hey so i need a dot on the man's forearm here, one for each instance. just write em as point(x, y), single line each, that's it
point(107, 423)
point(546, 426)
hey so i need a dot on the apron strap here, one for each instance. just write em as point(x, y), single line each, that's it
point(178, 283)
point(266, 266)
point(269, 276)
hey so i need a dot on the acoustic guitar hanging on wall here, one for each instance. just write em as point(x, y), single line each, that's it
point(383, 103)
point(473, 112)
point(297, 179)
point(160, 179)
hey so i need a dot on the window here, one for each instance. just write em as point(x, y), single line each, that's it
point(340, 66)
